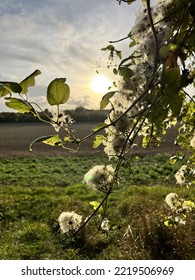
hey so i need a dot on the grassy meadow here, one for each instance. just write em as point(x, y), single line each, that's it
point(36, 187)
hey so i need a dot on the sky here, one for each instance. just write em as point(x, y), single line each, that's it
point(63, 39)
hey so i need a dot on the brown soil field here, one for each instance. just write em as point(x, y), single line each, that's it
point(15, 139)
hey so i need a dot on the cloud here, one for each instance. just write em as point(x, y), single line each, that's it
point(62, 38)
point(10, 7)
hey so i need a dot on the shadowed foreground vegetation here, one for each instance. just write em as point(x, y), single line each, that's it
point(34, 191)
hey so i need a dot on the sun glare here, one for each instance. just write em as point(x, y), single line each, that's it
point(100, 84)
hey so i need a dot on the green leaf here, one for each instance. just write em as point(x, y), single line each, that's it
point(146, 141)
point(180, 139)
point(173, 47)
point(98, 141)
point(180, 155)
point(58, 92)
point(108, 48)
point(135, 157)
point(132, 44)
point(29, 81)
point(173, 160)
point(130, 2)
point(115, 71)
point(3, 91)
point(8, 87)
point(189, 117)
point(52, 140)
point(163, 51)
point(112, 49)
point(68, 139)
point(95, 205)
point(167, 223)
point(171, 79)
point(20, 105)
point(119, 54)
point(166, 48)
point(189, 203)
point(126, 73)
point(176, 104)
point(105, 99)
point(99, 126)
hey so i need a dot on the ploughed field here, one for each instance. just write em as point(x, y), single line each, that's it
point(15, 139)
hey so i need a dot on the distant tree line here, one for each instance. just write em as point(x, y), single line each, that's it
point(80, 114)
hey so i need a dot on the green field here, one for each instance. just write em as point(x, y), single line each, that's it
point(34, 190)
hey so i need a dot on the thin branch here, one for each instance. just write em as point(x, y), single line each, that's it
point(37, 114)
point(190, 97)
point(149, 84)
point(187, 35)
point(155, 39)
point(94, 213)
point(126, 1)
point(173, 13)
point(119, 40)
point(157, 22)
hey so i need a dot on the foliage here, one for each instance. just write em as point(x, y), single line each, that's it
point(58, 92)
point(151, 97)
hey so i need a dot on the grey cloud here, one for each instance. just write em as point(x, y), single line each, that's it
point(11, 7)
point(60, 37)
point(83, 101)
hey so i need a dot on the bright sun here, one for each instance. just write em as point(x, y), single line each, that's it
point(100, 84)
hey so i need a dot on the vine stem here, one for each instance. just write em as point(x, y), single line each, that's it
point(151, 81)
point(157, 22)
point(155, 38)
point(38, 116)
point(187, 35)
point(94, 212)
point(121, 157)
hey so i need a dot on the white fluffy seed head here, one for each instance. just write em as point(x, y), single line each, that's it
point(100, 176)
point(69, 221)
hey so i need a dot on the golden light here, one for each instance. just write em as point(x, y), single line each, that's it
point(100, 84)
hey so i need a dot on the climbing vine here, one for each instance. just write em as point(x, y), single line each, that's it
point(155, 92)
